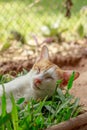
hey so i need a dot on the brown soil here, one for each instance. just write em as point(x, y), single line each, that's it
point(78, 63)
point(80, 85)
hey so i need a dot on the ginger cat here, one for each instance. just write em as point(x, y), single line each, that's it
point(39, 82)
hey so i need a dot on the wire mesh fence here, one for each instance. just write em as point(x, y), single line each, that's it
point(28, 16)
point(20, 20)
point(25, 16)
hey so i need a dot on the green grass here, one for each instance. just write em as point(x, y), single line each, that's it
point(18, 15)
point(40, 114)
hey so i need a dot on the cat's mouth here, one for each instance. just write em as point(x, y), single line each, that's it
point(36, 87)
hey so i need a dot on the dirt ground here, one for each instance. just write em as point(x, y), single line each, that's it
point(74, 61)
point(79, 88)
point(80, 85)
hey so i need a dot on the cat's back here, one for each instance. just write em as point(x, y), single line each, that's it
point(14, 85)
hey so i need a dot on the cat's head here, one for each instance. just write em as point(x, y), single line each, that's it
point(47, 73)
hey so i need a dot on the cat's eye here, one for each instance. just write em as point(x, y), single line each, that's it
point(48, 77)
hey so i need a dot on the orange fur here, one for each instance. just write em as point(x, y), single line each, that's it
point(43, 65)
point(39, 82)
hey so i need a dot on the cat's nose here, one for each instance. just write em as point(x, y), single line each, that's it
point(37, 81)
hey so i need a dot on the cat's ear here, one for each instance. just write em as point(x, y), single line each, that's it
point(44, 53)
point(66, 76)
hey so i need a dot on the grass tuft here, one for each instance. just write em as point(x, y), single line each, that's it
point(38, 114)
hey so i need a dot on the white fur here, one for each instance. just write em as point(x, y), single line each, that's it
point(24, 86)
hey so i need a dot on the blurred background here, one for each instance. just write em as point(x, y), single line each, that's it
point(61, 25)
point(25, 26)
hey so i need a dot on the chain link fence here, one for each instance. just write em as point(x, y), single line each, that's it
point(26, 16)
point(22, 20)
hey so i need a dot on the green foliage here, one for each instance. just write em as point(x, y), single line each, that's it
point(40, 114)
point(80, 30)
point(22, 73)
point(5, 78)
point(70, 82)
point(5, 46)
point(15, 35)
point(3, 99)
point(14, 114)
point(20, 101)
point(15, 17)
point(50, 30)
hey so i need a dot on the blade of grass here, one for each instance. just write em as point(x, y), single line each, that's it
point(3, 106)
point(70, 82)
point(4, 119)
point(3, 98)
point(63, 105)
point(14, 113)
point(61, 95)
point(75, 105)
point(8, 125)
